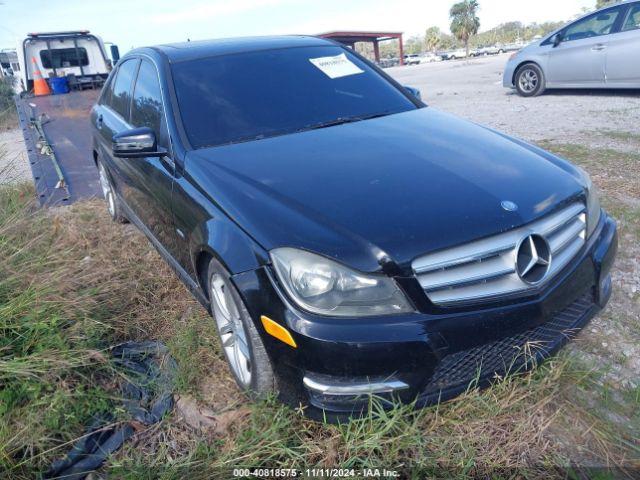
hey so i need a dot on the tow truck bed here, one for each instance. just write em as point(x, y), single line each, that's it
point(65, 124)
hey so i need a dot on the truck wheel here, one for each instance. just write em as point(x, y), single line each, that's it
point(113, 203)
point(240, 340)
point(530, 80)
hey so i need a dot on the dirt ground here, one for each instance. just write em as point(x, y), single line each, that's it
point(13, 156)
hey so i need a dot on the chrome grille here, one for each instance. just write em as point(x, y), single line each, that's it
point(486, 268)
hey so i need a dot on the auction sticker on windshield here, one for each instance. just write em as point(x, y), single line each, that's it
point(336, 67)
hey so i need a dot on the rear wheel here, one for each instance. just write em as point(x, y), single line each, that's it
point(529, 80)
point(113, 204)
point(241, 342)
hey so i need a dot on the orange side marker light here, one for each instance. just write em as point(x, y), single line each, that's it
point(276, 330)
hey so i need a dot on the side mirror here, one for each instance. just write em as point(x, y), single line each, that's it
point(557, 40)
point(414, 91)
point(136, 143)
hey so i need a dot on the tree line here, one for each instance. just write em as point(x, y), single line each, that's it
point(465, 26)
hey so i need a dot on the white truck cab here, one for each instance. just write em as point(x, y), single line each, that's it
point(58, 54)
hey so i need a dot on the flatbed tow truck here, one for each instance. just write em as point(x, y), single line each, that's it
point(58, 142)
point(56, 128)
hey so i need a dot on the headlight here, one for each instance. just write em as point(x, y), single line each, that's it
point(593, 203)
point(323, 286)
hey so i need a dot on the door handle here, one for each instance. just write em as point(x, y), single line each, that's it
point(598, 47)
point(99, 121)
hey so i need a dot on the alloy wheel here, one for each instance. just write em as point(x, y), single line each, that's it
point(232, 332)
point(107, 190)
point(528, 81)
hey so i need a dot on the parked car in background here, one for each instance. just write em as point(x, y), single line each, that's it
point(599, 50)
point(389, 62)
point(355, 242)
point(9, 65)
point(512, 47)
point(455, 54)
point(430, 58)
point(489, 50)
point(412, 59)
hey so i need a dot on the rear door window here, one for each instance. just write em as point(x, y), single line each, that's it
point(146, 109)
point(632, 21)
point(121, 95)
point(107, 89)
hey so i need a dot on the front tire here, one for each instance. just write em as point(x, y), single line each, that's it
point(529, 80)
point(113, 203)
point(246, 355)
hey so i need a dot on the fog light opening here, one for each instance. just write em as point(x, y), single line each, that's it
point(604, 290)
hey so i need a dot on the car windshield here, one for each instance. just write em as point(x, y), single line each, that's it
point(248, 96)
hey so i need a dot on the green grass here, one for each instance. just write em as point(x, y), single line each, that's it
point(8, 114)
point(72, 283)
point(631, 137)
point(49, 381)
point(615, 173)
point(601, 160)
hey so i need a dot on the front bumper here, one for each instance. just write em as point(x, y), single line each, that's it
point(509, 72)
point(430, 355)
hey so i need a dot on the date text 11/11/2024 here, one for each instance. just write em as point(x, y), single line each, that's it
point(316, 473)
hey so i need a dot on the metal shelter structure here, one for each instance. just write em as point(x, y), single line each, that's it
point(351, 38)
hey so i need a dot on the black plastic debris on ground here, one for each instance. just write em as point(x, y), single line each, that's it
point(147, 391)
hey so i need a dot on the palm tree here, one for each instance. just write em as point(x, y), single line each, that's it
point(433, 39)
point(464, 21)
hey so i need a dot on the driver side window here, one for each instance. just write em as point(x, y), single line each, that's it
point(592, 26)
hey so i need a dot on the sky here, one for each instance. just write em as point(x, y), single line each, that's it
point(138, 23)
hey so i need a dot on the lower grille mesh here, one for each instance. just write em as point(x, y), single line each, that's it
point(510, 354)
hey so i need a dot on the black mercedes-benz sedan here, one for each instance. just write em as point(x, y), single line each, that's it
point(348, 239)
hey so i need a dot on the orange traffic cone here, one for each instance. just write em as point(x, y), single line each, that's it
point(40, 85)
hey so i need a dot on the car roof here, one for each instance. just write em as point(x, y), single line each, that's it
point(178, 52)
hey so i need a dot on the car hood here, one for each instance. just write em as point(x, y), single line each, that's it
point(382, 191)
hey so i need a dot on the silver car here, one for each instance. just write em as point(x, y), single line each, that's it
point(599, 50)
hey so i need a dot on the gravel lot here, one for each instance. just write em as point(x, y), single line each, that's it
point(14, 164)
point(473, 89)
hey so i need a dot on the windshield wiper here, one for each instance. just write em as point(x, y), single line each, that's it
point(331, 123)
point(343, 120)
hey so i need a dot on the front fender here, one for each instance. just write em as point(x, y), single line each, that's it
point(223, 239)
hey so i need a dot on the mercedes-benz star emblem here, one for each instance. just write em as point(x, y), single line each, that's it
point(509, 206)
point(533, 259)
